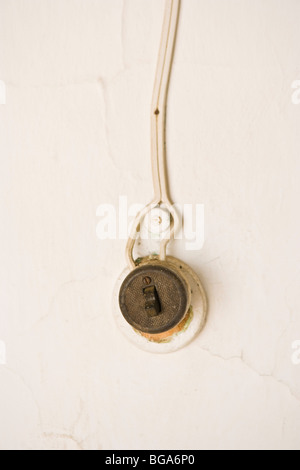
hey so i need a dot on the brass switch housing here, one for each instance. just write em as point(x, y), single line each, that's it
point(155, 297)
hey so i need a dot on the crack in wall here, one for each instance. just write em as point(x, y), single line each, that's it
point(29, 389)
point(67, 436)
point(58, 291)
point(123, 22)
point(252, 369)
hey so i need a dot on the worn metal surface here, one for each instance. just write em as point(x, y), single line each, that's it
point(170, 298)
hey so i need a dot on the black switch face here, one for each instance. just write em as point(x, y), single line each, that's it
point(154, 297)
point(152, 303)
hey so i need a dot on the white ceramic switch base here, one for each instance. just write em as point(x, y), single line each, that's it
point(194, 324)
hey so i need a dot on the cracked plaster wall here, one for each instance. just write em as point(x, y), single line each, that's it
point(74, 134)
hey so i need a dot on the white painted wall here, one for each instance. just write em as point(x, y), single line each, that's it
point(74, 133)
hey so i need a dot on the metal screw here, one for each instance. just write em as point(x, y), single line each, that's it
point(147, 280)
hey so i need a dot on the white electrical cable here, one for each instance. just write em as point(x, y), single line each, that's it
point(158, 126)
